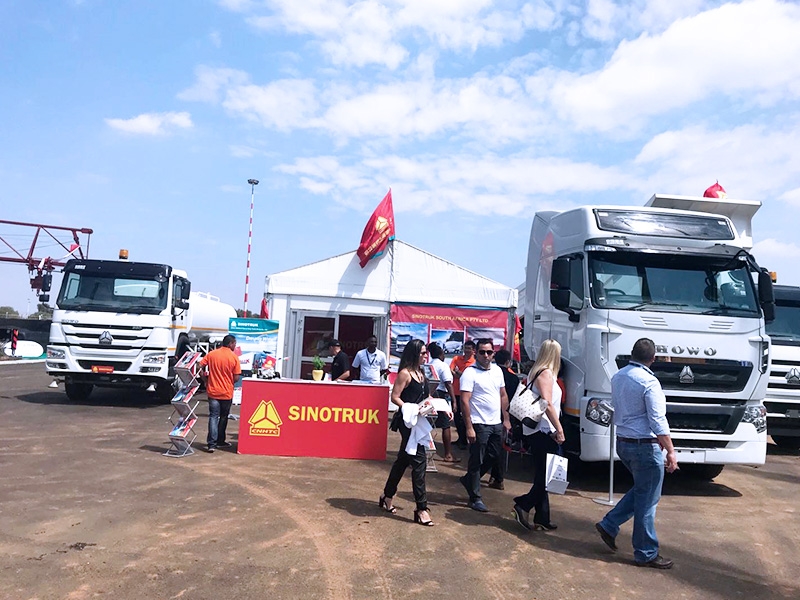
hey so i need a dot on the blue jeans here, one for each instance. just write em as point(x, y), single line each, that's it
point(483, 455)
point(646, 464)
point(218, 411)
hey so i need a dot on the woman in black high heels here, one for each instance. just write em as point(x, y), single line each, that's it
point(410, 386)
point(546, 438)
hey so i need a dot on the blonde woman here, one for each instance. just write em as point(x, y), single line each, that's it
point(545, 438)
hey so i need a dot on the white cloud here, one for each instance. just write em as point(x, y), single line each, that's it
point(751, 161)
point(153, 123)
point(283, 104)
point(745, 52)
point(484, 185)
point(373, 32)
point(209, 81)
point(216, 39)
point(781, 257)
point(791, 196)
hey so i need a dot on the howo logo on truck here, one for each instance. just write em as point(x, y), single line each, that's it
point(691, 350)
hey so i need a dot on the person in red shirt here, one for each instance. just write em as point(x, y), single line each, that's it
point(458, 365)
point(221, 370)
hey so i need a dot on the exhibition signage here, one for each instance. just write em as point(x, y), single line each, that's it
point(282, 417)
point(256, 339)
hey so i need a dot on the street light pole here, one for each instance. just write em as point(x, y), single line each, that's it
point(253, 183)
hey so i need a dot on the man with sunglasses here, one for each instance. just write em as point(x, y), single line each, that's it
point(484, 404)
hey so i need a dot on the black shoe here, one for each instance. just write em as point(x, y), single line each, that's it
point(659, 562)
point(522, 517)
point(224, 445)
point(610, 541)
point(210, 449)
point(496, 484)
point(545, 526)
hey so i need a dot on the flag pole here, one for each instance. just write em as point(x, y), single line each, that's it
point(253, 183)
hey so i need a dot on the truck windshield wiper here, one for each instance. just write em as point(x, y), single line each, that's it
point(646, 305)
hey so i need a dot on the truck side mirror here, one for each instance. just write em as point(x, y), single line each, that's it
point(47, 282)
point(766, 295)
point(562, 296)
point(186, 289)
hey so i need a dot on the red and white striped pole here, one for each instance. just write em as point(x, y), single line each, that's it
point(253, 183)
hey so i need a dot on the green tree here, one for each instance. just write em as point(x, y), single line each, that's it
point(8, 311)
point(43, 311)
point(250, 314)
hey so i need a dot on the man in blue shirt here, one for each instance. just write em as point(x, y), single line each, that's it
point(640, 414)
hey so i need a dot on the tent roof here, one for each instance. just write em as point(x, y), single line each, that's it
point(402, 274)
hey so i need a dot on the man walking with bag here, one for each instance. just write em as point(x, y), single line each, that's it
point(484, 404)
point(640, 410)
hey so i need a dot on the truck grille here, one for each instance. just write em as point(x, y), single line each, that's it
point(702, 375)
point(778, 382)
point(118, 366)
point(706, 423)
point(123, 338)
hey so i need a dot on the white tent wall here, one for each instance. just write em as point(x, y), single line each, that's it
point(403, 274)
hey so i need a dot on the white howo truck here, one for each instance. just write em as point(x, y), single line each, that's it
point(122, 324)
point(677, 271)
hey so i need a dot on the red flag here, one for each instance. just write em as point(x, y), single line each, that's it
point(715, 191)
point(378, 232)
point(264, 310)
point(516, 353)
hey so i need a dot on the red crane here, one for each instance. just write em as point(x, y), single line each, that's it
point(40, 268)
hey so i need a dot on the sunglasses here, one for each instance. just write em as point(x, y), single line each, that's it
point(486, 352)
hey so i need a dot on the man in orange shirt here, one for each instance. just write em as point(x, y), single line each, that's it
point(221, 371)
point(458, 365)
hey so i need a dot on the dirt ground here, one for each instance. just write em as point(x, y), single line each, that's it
point(90, 508)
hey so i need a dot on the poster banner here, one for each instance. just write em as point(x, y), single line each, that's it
point(448, 326)
point(256, 341)
point(282, 417)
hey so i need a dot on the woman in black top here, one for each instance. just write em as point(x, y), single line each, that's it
point(410, 386)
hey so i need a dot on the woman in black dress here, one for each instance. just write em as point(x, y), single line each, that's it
point(410, 386)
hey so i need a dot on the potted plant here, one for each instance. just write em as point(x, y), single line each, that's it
point(319, 368)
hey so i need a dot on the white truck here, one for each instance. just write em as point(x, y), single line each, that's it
point(677, 271)
point(783, 390)
point(123, 324)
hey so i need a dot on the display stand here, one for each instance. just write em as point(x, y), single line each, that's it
point(183, 415)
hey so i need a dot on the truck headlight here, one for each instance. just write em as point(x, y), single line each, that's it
point(56, 353)
point(155, 357)
point(757, 415)
point(600, 411)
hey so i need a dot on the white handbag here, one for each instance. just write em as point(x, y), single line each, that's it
point(527, 406)
point(556, 473)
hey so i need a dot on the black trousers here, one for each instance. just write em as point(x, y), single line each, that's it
point(536, 499)
point(418, 464)
point(458, 417)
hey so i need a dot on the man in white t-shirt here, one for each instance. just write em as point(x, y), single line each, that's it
point(484, 403)
point(371, 361)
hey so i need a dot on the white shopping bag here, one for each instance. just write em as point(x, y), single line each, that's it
point(556, 477)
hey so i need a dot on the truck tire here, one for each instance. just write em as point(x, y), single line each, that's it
point(786, 442)
point(78, 392)
point(702, 472)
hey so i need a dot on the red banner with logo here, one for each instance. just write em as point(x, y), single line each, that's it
point(448, 326)
point(378, 232)
point(282, 417)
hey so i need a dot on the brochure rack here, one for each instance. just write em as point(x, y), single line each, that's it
point(183, 415)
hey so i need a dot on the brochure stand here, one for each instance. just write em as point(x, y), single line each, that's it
point(183, 415)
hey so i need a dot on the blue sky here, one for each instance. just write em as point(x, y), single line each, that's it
point(144, 120)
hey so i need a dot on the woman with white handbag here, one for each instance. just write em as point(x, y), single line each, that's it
point(545, 438)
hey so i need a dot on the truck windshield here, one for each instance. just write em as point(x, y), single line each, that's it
point(786, 326)
point(109, 293)
point(672, 283)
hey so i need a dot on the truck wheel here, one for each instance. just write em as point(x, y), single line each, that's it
point(702, 472)
point(787, 442)
point(78, 392)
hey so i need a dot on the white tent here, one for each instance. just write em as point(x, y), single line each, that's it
point(338, 286)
